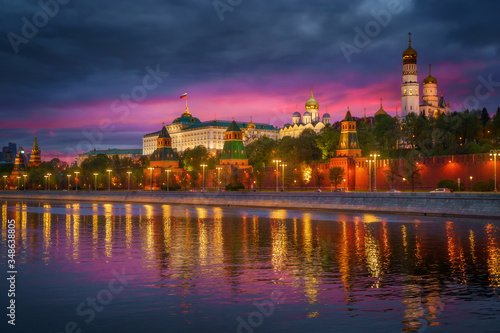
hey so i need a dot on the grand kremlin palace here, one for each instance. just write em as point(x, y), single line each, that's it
point(189, 132)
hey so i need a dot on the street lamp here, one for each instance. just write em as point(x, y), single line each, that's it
point(494, 153)
point(283, 165)
point(375, 155)
point(46, 183)
point(470, 183)
point(203, 177)
point(344, 184)
point(18, 177)
point(69, 182)
point(277, 179)
point(150, 179)
point(109, 179)
point(24, 183)
point(76, 180)
point(5, 182)
point(218, 178)
point(369, 174)
point(95, 181)
point(48, 180)
point(128, 175)
point(168, 179)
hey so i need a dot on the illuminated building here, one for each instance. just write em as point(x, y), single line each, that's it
point(134, 154)
point(188, 132)
point(309, 120)
point(410, 89)
point(19, 165)
point(35, 159)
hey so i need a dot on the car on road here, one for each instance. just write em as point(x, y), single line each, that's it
point(341, 190)
point(441, 190)
point(394, 191)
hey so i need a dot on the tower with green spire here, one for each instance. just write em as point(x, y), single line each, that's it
point(164, 156)
point(35, 158)
point(233, 152)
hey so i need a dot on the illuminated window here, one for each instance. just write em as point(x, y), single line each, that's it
point(411, 92)
point(405, 92)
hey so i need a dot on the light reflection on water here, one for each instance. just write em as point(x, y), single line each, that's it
point(200, 268)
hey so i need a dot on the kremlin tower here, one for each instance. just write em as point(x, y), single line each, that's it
point(409, 88)
point(35, 159)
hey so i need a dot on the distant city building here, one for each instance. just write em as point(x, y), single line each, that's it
point(9, 152)
point(134, 154)
point(309, 120)
point(431, 106)
point(35, 158)
point(187, 131)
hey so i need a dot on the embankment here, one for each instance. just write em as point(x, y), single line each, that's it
point(440, 204)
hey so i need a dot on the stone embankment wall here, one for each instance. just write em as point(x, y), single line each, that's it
point(441, 204)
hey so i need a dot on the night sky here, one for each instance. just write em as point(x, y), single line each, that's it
point(67, 80)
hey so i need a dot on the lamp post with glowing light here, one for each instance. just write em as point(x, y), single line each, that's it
point(69, 181)
point(369, 174)
point(150, 179)
point(24, 181)
point(18, 177)
point(375, 155)
point(109, 179)
point(95, 181)
point(46, 181)
point(494, 153)
point(76, 179)
point(5, 182)
point(168, 179)
point(218, 178)
point(277, 176)
point(49, 174)
point(283, 165)
point(203, 177)
point(128, 175)
point(470, 183)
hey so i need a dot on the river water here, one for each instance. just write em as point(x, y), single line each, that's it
point(84, 267)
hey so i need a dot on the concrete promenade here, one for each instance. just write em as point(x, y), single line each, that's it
point(440, 204)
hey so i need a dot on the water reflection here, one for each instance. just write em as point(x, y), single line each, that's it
point(363, 264)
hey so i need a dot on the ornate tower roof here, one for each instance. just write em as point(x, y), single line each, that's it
point(381, 111)
point(409, 52)
point(430, 78)
point(312, 103)
point(234, 152)
point(164, 156)
point(35, 159)
point(348, 145)
point(251, 124)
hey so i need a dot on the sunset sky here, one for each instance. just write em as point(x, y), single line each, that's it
point(66, 80)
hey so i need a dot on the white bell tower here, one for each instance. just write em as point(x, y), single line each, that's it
point(409, 88)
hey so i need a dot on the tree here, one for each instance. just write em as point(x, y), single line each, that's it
point(412, 169)
point(392, 173)
point(327, 142)
point(336, 174)
point(318, 177)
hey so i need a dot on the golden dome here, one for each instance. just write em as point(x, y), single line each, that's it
point(186, 113)
point(409, 52)
point(430, 78)
point(251, 124)
point(312, 103)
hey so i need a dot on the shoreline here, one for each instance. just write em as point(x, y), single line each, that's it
point(428, 204)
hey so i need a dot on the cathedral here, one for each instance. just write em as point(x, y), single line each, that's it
point(431, 105)
point(309, 120)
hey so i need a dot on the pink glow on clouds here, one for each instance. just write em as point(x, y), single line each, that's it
point(271, 100)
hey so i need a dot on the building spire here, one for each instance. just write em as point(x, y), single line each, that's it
point(409, 38)
point(381, 103)
point(364, 114)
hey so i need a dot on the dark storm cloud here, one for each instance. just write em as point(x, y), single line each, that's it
point(94, 51)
